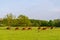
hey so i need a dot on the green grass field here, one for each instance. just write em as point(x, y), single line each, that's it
point(33, 34)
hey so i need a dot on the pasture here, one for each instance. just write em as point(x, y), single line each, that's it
point(33, 34)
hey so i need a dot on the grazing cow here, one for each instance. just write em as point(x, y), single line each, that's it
point(51, 28)
point(44, 28)
point(39, 28)
point(29, 28)
point(16, 28)
point(8, 28)
point(23, 28)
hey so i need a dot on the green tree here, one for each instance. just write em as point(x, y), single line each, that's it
point(57, 22)
point(50, 23)
point(44, 23)
point(1, 22)
point(24, 20)
point(35, 22)
point(9, 18)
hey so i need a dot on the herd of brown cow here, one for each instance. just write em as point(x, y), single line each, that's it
point(30, 28)
point(45, 28)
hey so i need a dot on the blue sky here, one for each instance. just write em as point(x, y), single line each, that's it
point(34, 9)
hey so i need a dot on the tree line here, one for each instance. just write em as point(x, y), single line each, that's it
point(24, 21)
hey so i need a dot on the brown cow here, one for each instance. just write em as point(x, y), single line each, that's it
point(44, 28)
point(23, 28)
point(39, 28)
point(29, 28)
point(8, 28)
point(51, 27)
point(16, 28)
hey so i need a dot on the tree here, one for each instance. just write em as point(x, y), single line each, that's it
point(50, 23)
point(14, 23)
point(44, 23)
point(35, 22)
point(57, 22)
point(9, 18)
point(1, 22)
point(24, 20)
